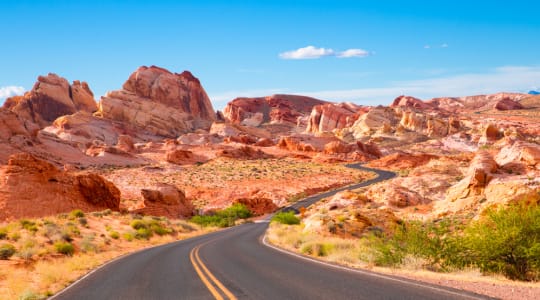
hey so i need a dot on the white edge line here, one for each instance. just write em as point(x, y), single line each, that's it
point(371, 273)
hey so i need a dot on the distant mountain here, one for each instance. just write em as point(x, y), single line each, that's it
point(534, 93)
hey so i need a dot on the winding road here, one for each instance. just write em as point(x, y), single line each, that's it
point(236, 263)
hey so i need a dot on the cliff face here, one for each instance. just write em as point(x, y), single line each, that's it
point(160, 102)
point(51, 97)
point(285, 109)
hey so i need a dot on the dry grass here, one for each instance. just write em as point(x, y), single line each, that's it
point(36, 270)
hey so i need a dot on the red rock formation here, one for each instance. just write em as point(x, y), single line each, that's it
point(472, 103)
point(295, 144)
point(159, 102)
point(244, 152)
point(408, 101)
point(165, 200)
point(477, 178)
point(50, 98)
point(402, 160)
point(258, 206)
point(30, 187)
point(330, 116)
point(276, 108)
point(507, 104)
point(179, 157)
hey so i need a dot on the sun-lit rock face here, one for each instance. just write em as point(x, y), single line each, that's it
point(477, 178)
point(283, 109)
point(51, 97)
point(410, 102)
point(31, 187)
point(507, 104)
point(159, 102)
point(473, 103)
point(165, 200)
point(330, 116)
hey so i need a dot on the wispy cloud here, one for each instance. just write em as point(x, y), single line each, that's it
point(443, 45)
point(353, 53)
point(312, 52)
point(9, 91)
point(507, 79)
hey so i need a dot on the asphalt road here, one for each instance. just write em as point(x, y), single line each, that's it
point(236, 264)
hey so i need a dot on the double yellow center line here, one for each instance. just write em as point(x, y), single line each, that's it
point(209, 280)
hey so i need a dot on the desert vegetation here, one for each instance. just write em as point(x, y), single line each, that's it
point(224, 217)
point(505, 240)
point(38, 257)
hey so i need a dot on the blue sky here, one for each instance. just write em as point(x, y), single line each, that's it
point(366, 52)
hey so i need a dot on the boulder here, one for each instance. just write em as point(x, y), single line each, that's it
point(165, 200)
point(410, 102)
point(31, 187)
point(507, 104)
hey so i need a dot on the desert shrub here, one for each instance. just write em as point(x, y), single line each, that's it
point(64, 248)
point(317, 249)
point(128, 236)
point(114, 235)
point(83, 221)
point(286, 218)
point(28, 225)
point(7, 251)
point(138, 224)
point(77, 213)
point(15, 236)
point(3, 233)
point(507, 241)
point(223, 218)
point(434, 242)
point(87, 244)
point(143, 233)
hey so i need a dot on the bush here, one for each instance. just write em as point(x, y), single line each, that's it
point(128, 236)
point(3, 233)
point(114, 235)
point(143, 233)
point(64, 248)
point(83, 221)
point(506, 241)
point(286, 218)
point(7, 251)
point(138, 224)
point(223, 218)
point(28, 225)
point(77, 213)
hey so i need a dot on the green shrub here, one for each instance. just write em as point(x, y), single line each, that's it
point(506, 241)
point(223, 218)
point(7, 251)
point(88, 245)
point(28, 225)
point(114, 235)
point(138, 224)
point(77, 213)
point(317, 249)
point(64, 248)
point(128, 236)
point(286, 218)
point(143, 233)
point(3, 233)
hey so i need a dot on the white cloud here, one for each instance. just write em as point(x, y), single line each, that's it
point(9, 91)
point(312, 52)
point(503, 79)
point(352, 53)
point(427, 47)
point(445, 45)
point(309, 52)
